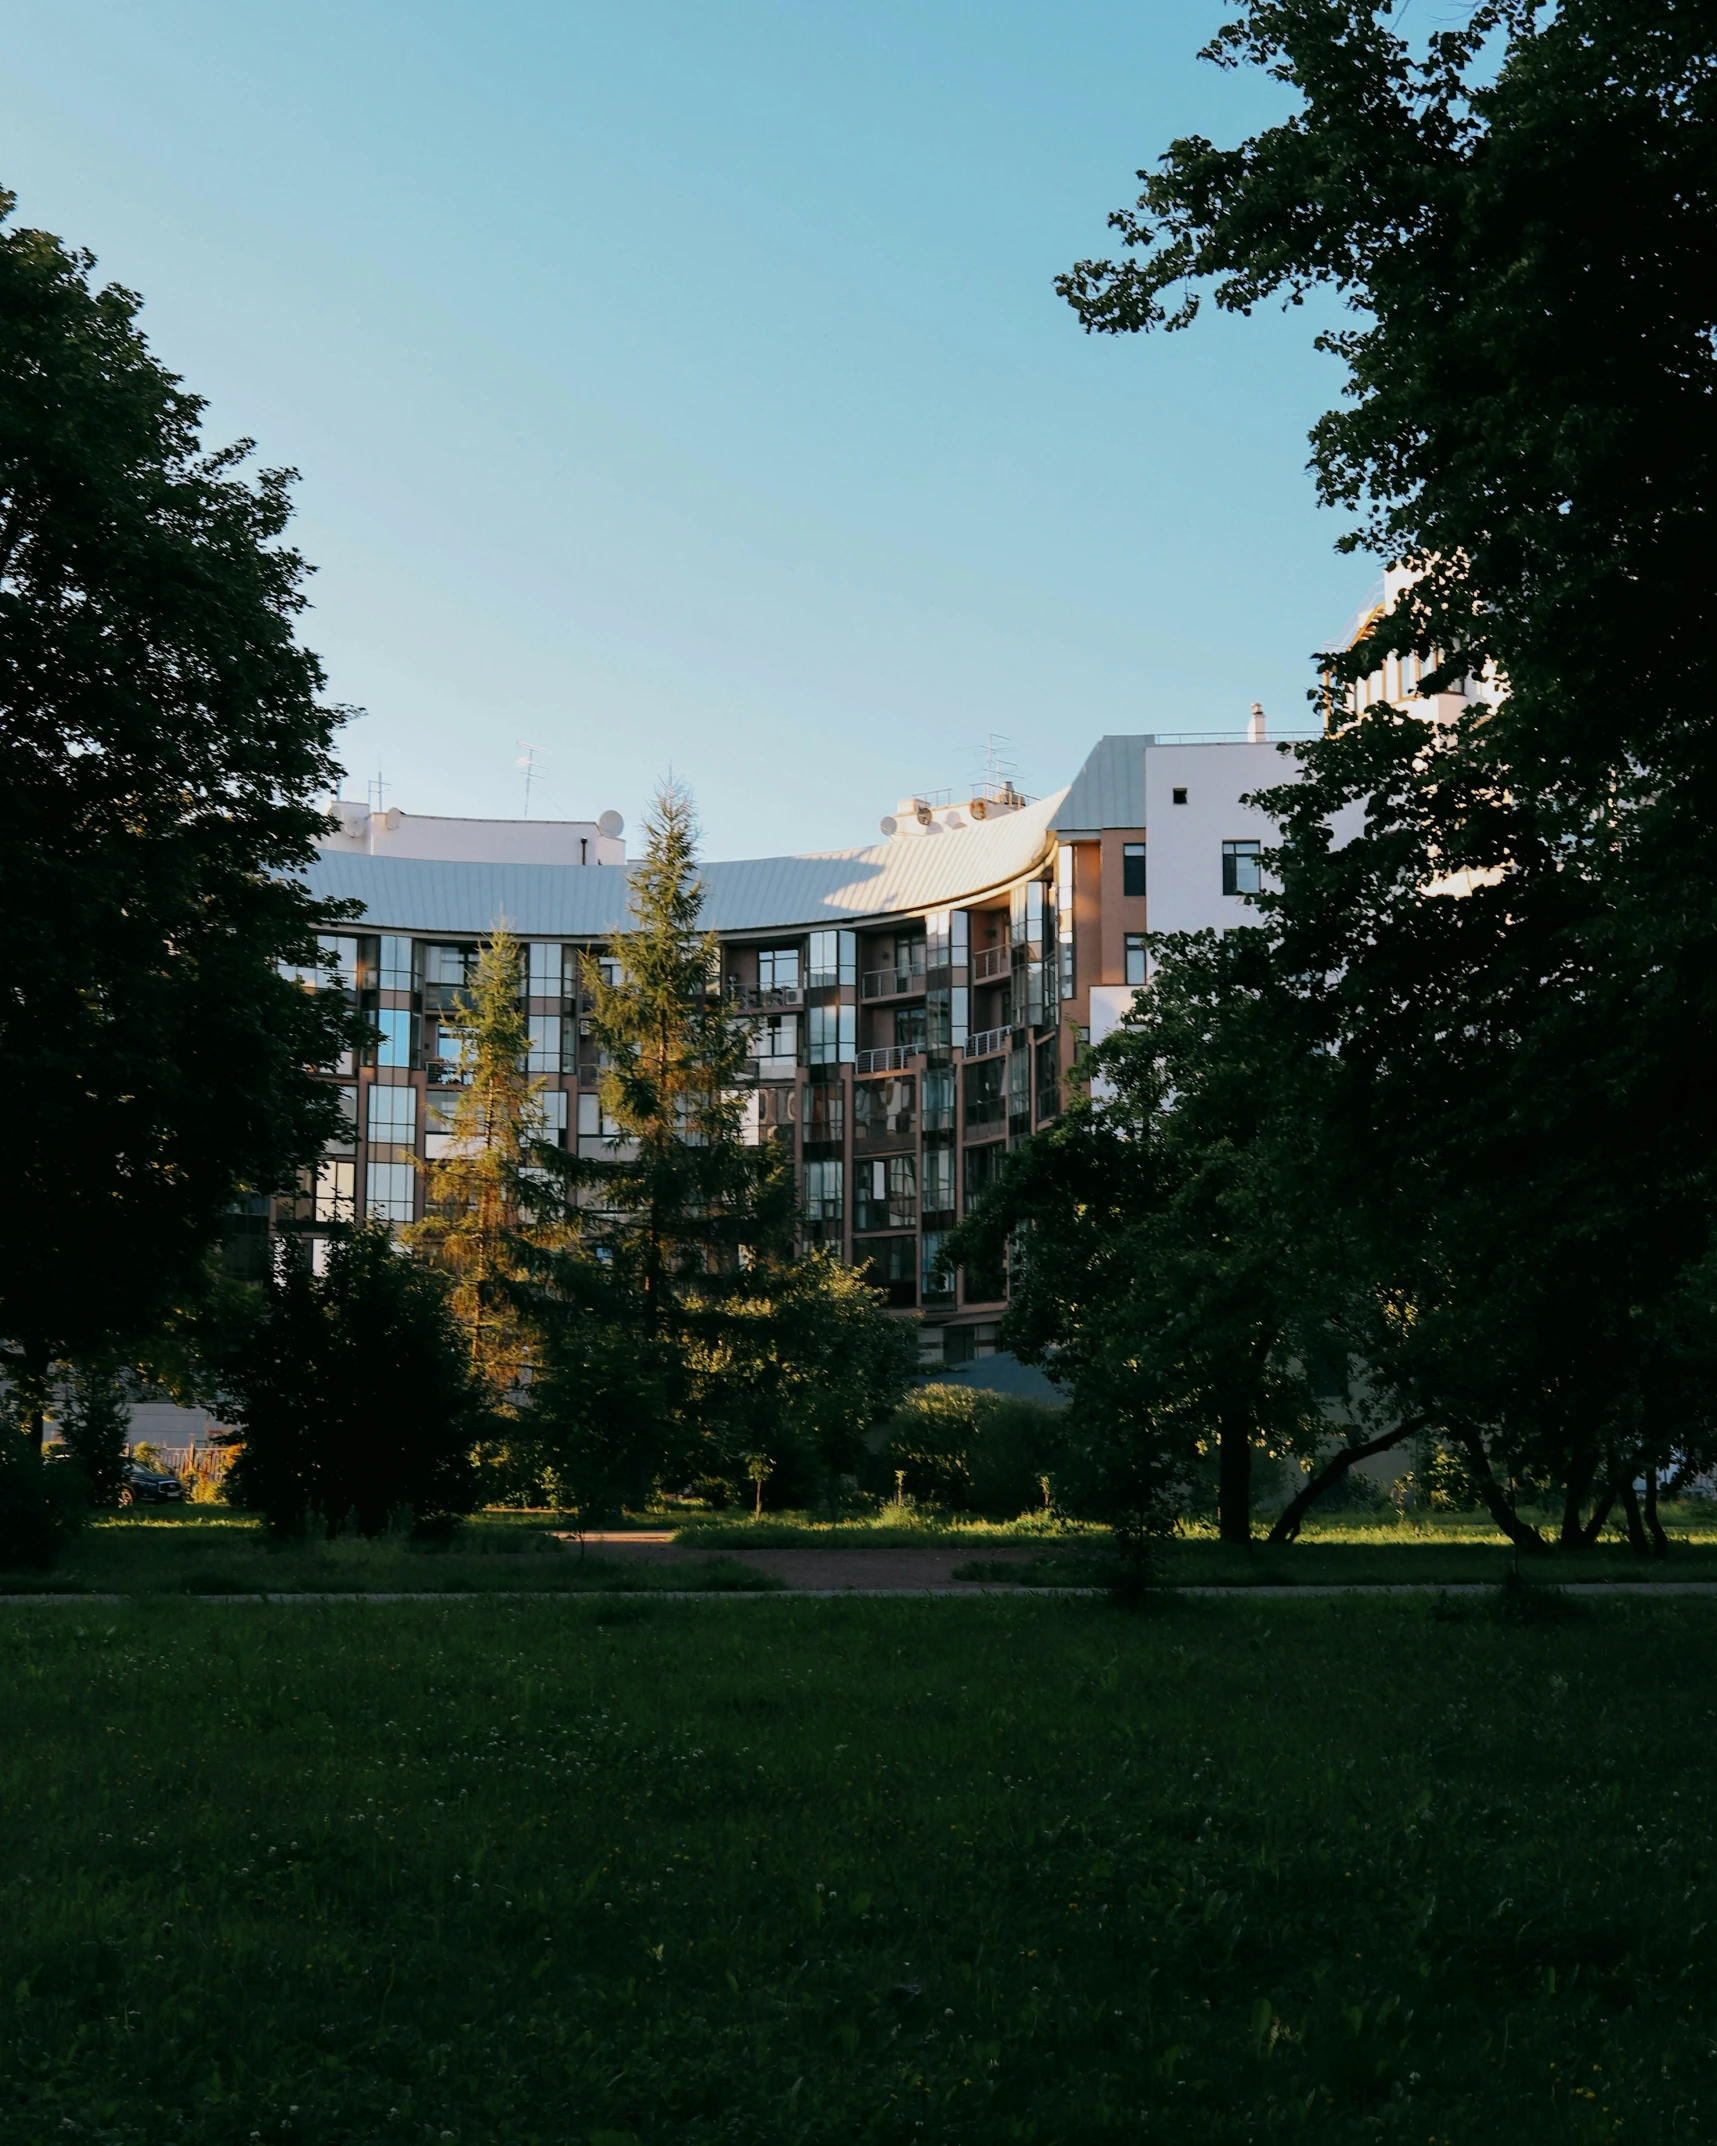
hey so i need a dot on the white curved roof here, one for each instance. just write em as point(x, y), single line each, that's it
point(932, 870)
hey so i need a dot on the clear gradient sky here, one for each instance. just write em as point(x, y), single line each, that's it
point(679, 384)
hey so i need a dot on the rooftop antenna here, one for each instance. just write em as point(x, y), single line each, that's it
point(999, 768)
point(378, 789)
point(529, 764)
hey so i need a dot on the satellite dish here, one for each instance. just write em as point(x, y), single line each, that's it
point(979, 808)
point(889, 824)
point(954, 820)
point(611, 825)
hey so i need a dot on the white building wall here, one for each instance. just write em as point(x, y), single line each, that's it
point(456, 841)
point(1183, 842)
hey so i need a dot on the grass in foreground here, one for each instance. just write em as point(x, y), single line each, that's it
point(1019, 1871)
point(210, 1551)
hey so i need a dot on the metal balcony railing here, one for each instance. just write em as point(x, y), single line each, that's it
point(765, 995)
point(892, 983)
point(987, 1041)
point(892, 1059)
point(990, 962)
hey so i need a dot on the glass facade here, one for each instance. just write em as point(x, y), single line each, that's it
point(390, 1192)
point(393, 1116)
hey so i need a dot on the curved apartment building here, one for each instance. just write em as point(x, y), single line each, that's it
point(916, 1004)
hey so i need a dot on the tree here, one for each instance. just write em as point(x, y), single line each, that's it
point(161, 744)
point(1507, 972)
point(95, 1418)
point(1168, 1269)
point(486, 1205)
point(677, 1330)
point(354, 1391)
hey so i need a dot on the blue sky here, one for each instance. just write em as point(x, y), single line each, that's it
point(681, 386)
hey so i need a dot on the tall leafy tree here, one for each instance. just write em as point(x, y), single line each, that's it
point(162, 741)
point(1509, 969)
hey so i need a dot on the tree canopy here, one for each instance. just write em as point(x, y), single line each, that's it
point(162, 741)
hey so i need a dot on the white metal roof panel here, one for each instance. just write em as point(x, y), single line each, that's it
point(907, 873)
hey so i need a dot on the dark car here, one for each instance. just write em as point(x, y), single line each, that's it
point(148, 1486)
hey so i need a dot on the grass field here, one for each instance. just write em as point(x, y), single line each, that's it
point(209, 1550)
point(1017, 1870)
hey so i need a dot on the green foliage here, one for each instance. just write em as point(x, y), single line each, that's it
point(95, 1416)
point(161, 746)
point(487, 1211)
point(1505, 976)
point(43, 1503)
point(972, 1451)
point(354, 1392)
point(676, 1333)
point(474, 1865)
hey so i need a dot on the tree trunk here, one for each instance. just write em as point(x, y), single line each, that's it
point(1637, 1542)
point(1287, 1528)
point(1521, 1533)
point(1234, 1479)
point(1574, 1536)
point(1659, 1540)
point(1586, 1536)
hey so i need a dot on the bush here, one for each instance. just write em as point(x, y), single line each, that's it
point(42, 1503)
point(972, 1451)
point(354, 1392)
point(94, 1419)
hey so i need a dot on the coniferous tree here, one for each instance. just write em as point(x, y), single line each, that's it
point(677, 1330)
point(95, 1415)
point(484, 1202)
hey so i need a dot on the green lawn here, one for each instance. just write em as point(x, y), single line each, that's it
point(1017, 1870)
point(207, 1550)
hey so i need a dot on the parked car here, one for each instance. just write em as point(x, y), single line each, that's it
point(150, 1486)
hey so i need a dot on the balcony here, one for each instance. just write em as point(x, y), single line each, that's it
point(895, 1058)
point(761, 997)
point(991, 962)
point(892, 983)
point(987, 1041)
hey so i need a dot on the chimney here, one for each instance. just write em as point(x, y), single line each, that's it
point(1255, 734)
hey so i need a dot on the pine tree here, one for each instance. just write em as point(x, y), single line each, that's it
point(488, 1204)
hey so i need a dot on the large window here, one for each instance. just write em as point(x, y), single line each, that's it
point(346, 1138)
point(1135, 957)
point(543, 1052)
point(892, 1266)
point(986, 1091)
point(776, 1036)
point(983, 1167)
point(1049, 1077)
point(823, 1191)
point(938, 1181)
point(398, 1044)
point(834, 959)
point(335, 1195)
point(397, 967)
point(831, 1034)
point(390, 1192)
point(547, 969)
point(1242, 868)
point(938, 1283)
point(883, 1110)
point(778, 968)
point(1132, 868)
point(393, 1116)
point(939, 1099)
point(825, 1114)
point(885, 1193)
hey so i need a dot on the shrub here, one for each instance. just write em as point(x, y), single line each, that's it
point(94, 1419)
point(354, 1392)
point(42, 1503)
point(974, 1451)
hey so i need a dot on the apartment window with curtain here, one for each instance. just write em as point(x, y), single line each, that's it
point(1134, 950)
